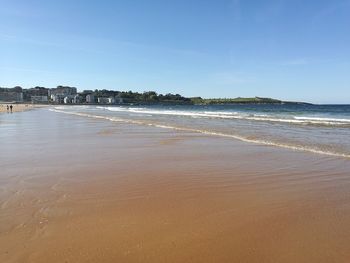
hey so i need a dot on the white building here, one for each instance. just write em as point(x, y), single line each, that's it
point(90, 98)
point(103, 100)
point(66, 100)
point(63, 90)
point(111, 100)
point(58, 98)
point(76, 99)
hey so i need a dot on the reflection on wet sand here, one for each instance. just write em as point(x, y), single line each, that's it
point(143, 194)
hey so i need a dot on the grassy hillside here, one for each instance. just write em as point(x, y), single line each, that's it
point(239, 100)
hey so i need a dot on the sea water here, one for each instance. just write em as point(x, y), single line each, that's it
point(320, 129)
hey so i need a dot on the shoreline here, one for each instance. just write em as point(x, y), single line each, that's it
point(119, 192)
point(216, 134)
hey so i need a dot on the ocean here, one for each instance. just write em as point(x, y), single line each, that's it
point(241, 183)
point(318, 129)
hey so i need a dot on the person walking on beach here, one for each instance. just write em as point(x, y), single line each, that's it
point(7, 106)
point(10, 108)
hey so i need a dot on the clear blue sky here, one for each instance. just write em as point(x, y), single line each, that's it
point(287, 49)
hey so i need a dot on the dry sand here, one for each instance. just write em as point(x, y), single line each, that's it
point(19, 107)
point(79, 190)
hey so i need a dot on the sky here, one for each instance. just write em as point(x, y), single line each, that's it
point(286, 49)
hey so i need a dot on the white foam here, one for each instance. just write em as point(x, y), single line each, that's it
point(323, 119)
point(206, 132)
point(235, 115)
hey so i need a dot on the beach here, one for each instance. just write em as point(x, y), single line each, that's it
point(81, 188)
point(18, 107)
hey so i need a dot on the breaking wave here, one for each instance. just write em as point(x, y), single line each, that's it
point(236, 115)
point(201, 131)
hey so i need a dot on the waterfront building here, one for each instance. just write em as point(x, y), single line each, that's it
point(90, 98)
point(11, 94)
point(104, 100)
point(39, 99)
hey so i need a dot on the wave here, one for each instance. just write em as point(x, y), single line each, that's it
point(323, 119)
point(207, 132)
point(237, 116)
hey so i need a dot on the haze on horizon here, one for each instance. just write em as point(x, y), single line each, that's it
point(286, 49)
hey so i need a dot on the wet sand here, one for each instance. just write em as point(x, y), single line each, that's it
point(74, 189)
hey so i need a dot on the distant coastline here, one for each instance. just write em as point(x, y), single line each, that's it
point(239, 100)
point(70, 95)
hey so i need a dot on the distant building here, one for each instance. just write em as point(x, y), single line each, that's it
point(58, 98)
point(118, 100)
point(76, 99)
point(11, 94)
point(90, 98)
point(68, 99)
point(36, 91)
point(59, 94)
point(104, 100)
point(39, 99)
point(111, 100)
point(63, 90)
